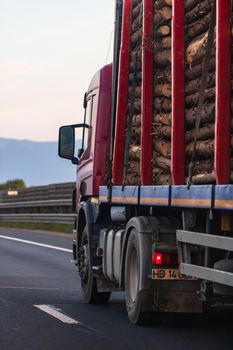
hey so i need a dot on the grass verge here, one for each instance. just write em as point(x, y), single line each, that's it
point(64, 228)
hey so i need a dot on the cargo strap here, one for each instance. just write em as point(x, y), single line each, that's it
point(203, 86)
point(131, 111)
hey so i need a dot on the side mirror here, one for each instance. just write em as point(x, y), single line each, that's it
point(67, 143)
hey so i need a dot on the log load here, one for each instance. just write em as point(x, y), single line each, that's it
point(161, 128)
point(196, 49)
point(197, 19)
point(159, 4)
point(133, 169)
point(202, 8)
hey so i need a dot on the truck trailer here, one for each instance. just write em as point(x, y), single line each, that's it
point(154, 192)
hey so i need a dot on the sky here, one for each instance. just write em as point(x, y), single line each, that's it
point(49, 51)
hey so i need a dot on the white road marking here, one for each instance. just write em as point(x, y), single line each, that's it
point(58, 314)
point(36, 243)
point(52, 311)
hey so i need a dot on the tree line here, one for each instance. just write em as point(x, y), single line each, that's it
point(15, 184)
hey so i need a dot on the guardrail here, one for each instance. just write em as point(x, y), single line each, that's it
point(42, 193)
point(39, 218)
point(42, 204)
point(33, 204)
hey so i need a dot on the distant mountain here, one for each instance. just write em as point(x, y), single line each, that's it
point(37, 163)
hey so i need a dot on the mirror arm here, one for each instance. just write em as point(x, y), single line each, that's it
point(85, 101)
point(85, 117)
point(75, 160)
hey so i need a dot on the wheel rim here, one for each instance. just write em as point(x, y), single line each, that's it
point(133, 275)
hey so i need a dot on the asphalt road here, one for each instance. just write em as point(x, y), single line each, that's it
point(41, 306)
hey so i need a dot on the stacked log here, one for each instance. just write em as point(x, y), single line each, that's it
point(161, 46)
point(197, 20)
point(133, 176)
point(162, 93)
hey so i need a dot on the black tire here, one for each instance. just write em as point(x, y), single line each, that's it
point(134, 298)
point(88, 281)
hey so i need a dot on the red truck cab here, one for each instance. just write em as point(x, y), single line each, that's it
point(91, 171)
point(94, 155)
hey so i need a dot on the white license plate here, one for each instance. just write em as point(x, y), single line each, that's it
point(170, 274)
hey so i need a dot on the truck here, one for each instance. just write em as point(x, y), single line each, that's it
point(165, 238)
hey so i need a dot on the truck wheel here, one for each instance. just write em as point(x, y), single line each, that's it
point(132, 274)
point(88, 281)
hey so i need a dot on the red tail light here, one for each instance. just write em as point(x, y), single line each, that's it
point(168, 258)
point(157, 258)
